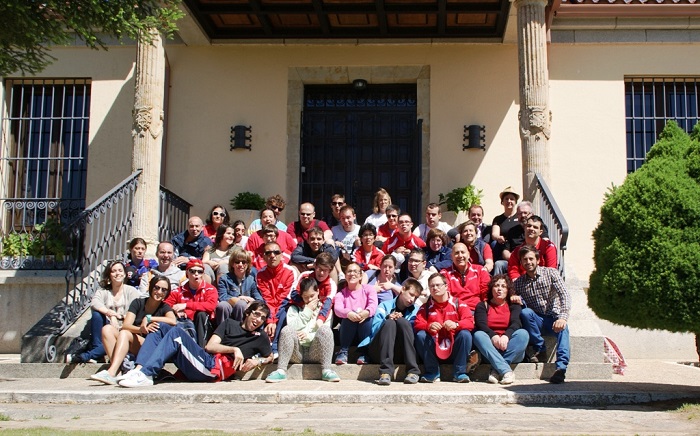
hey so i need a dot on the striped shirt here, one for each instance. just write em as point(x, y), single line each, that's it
point(545, 293)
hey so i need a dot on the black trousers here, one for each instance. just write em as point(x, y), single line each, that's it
point(203, 328)
point(395, 337)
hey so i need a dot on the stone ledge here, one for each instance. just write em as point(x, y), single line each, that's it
point(523, 371)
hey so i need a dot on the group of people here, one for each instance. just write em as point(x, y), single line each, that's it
point(220, 298)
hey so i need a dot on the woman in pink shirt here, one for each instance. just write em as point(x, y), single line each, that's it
point(355, 305)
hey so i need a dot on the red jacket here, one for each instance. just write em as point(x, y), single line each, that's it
point(470, 287)
point(204, 300)
point(275, 285)
point(374, 259)
point(299, 234)
point(548, 257)
point(396, 241)
point(256, 245)
point(451, 310)
point(385, 231)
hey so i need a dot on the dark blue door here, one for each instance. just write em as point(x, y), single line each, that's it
point(355, 142)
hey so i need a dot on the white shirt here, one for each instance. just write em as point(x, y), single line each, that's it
point(422, 230)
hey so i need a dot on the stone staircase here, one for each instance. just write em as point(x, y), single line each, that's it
point(586, 361)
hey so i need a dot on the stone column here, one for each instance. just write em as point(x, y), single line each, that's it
point(535, 116)
point(147, 133)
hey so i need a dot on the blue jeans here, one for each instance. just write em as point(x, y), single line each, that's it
point(537, 325)
point(501, 360)
point(350, 330)
point(97, 349)
point(173, 344)
point(425, 346)
point(500, 267)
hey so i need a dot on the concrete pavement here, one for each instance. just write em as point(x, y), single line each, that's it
point(626, 404)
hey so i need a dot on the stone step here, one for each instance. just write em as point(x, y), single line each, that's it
point(523, 371)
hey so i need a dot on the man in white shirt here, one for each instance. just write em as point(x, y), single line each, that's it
point(432, 221)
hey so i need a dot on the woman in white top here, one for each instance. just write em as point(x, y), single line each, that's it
point(215, 258)
point(113, 301)
point(381, 201)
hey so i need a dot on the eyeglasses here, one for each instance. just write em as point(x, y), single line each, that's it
point(415, 260)
point(259, 315)
point(196, 271)
point(160, 288)
point(221, 214)
point(337, 203)
point(272, 253)
point(277, 208)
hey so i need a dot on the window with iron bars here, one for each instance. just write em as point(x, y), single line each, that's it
point(649, 104)
point(45, 124)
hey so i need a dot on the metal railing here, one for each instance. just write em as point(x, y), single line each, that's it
point(545, 205)
point(174, 214)
point(99, 233)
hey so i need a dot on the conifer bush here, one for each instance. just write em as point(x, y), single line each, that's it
point(647, 244)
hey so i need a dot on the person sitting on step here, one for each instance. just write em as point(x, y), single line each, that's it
point(304, 339)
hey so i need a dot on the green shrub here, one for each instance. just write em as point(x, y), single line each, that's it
point(248, 200)
point(461, 198)
point(647, 244)
point(46, 238)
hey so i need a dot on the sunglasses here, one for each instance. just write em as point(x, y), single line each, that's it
point(272, 253)
point(277, 208)
point(222, 214)
point(196, 271)
point(160, 288)
point(337, 203)
point(240, 262)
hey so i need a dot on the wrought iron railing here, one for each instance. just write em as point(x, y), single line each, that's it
point(545, 205)
point(99, 233)
point(174, 214)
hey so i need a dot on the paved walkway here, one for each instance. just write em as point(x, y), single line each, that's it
point(626, 404)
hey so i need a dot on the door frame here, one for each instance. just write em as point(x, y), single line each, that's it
point(339, 75)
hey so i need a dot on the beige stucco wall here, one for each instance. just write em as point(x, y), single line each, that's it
point(588, 148)
point(469, 84)
point(216, 87)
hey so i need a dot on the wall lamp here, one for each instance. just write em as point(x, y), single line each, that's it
point(240, 137)
point(474, 137)
point(359, 84)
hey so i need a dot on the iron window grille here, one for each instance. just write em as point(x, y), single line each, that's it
point(649, 104)
point(43, 155)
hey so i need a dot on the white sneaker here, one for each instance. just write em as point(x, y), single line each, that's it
point(104, 377)
point(136, 380)
point(508, 378)
point(126, 375)
point(493, 377)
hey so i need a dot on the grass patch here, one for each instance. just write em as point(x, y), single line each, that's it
point(689, 410)
point(4, 417)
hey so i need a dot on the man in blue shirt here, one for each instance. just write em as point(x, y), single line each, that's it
point(191, 243)
point(392, 333)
